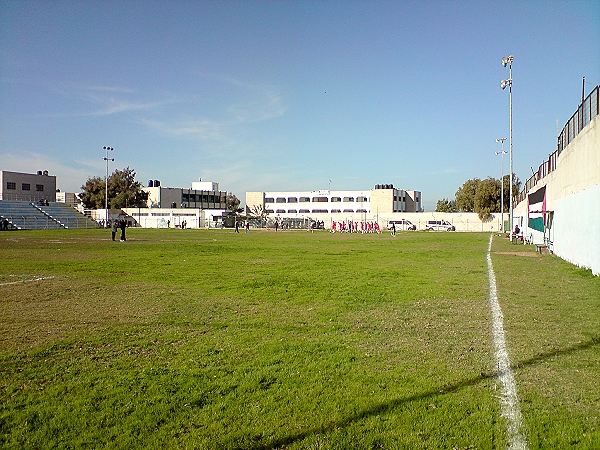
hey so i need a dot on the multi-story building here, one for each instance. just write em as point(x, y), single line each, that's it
point(202, 195)
point(383, 199)
point(201, 206)
point(27, 187)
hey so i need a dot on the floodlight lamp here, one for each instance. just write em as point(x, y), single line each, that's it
point(503, 84)
point(507, 60)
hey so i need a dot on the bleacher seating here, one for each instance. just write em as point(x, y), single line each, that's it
point(30, 216)
point(67, 216)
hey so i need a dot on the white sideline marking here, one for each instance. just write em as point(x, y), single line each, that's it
point(509, 401)
point(27, 281)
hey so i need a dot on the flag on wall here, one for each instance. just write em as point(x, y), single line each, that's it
point(536, 209)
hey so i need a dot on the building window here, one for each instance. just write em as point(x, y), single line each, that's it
point(348, 199)
point(25, 187)
point(361, 210)
point(11, 186)
point(319, 200)
point(304, 211)
point(269, 200)
point(280, 200)
point(336, 199)
point(292, 211)
point(269, 211)
point(320, 211)
point(39, 187)
point(281, 211)
point(293, 200)
point(362, 199)
point(336, 211)
point(348, 210)
point(304, 199)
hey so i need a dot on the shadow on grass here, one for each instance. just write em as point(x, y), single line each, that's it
point(386, 407)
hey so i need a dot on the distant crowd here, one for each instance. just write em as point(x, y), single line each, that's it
point(355, 227)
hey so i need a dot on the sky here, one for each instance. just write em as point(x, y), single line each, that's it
point(290, 95)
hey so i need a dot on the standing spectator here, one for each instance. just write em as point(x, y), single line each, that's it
point(237, 226)
point(123, 225)
point(393, 229)
point(276, 225)
point(113, 229)
point(247, 227)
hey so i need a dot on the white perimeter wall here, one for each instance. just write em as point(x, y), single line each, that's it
point(462, 221)
point(576, 228)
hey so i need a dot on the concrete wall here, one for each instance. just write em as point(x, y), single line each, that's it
point(573, 194)
point(576, 235)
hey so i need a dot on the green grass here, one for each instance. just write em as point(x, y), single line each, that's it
point(216, 340)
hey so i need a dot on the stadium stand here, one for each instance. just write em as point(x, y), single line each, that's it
point(16, 215)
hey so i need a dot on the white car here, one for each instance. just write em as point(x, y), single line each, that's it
point(439, 225)
point(402, 224)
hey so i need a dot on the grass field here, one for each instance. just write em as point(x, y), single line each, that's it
point(216, 340)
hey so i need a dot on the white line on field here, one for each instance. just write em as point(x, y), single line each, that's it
point(27, 281)
point(509, 401)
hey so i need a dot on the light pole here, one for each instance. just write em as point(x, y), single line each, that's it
point(107, 159)
point(502, 182)
point(508, 60)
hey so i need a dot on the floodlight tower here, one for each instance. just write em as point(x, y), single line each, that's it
point(107, 159)
point(503, 152)
point(507, 61)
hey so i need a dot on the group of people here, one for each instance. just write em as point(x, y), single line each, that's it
point(116, 225)
point(355, 227)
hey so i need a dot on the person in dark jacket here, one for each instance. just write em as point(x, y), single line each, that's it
point(113, 229)
point(123, 225)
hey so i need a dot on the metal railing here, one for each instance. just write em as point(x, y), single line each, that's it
point(586, 112)
point(22, 222)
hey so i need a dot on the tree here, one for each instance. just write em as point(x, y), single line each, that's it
point(516, 190)
point(487, 198)
point(465, 195)
point(233, 203)
point(446, 205)
point(92, 193)
point(123, 191)
point(259, 212)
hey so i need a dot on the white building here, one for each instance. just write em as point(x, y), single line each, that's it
point(380, 203)
point(201, 206)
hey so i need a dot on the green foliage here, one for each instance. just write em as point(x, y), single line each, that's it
point(482, 197)
point(93, 193)
point(123, 191)
point(446, 205)
point(465, 195)
point(487, 198)
point(216, 340)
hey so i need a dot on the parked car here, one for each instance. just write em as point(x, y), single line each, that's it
point(439, 225)
point(402, 224)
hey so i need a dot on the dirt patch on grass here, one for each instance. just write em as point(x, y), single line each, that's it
point(530, 254)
